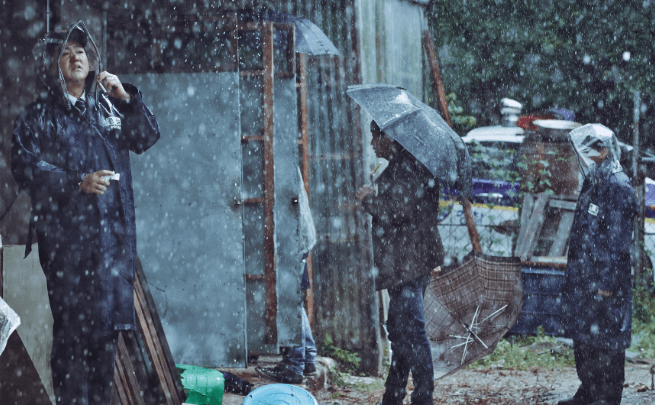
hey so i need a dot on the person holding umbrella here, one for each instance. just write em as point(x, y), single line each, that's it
point(597, 293)
point(406, 247)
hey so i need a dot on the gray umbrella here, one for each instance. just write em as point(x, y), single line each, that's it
point(419, 129)
point(309, 38)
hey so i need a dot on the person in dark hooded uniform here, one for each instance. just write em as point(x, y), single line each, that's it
point(597, 293)
point(406, 248)
point(70, 152)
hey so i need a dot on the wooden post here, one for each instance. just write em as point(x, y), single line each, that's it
point(435, 73)
point(269, 185)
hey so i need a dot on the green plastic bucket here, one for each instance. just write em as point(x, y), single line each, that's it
point(203, 386)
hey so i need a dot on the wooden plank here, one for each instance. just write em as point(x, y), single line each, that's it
point(526, 213)
point(120, 384)
point(149, 339)
point(163, 351)
point(563, 232)
point(269, 186)
point(156, 344)
point(128, 376)
point(142, 367)
point(562, 204)
point(534, 226)
point(435, 73)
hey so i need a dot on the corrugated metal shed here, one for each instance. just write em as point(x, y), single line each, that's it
point(379, 41)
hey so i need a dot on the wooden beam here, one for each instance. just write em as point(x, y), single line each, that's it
point(435, 74)
point(526, 212)
point(127, 384)
point(157, 348)
point(562, 235)
point(269, 185)
point(531, 234)
point(563, 205)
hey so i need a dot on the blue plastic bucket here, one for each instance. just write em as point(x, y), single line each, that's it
point(282, 394)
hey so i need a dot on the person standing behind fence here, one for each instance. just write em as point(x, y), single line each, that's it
point(597, 293)
point(406, 248)
point(65, 148)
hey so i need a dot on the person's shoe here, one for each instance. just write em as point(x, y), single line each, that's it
point(310, 369)
point(280, 374)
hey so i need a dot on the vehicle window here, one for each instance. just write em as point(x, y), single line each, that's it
point(494, 160)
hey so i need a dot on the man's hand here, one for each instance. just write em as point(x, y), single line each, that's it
point(94, 182)
point(363, 192)
point(113, 86)
point(604, 293)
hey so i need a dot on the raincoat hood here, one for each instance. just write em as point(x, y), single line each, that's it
point(588, 140)
point(49, 51)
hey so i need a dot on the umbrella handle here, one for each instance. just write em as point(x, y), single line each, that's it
point(470, 225)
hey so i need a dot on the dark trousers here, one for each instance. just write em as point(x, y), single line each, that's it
point(409, 345)
point(82, 367)
point(602, 373)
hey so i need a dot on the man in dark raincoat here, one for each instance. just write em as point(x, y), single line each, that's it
point(406, 248)
point(65, 148)
point(597, 294)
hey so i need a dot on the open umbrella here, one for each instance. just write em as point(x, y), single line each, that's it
point(310, 39)
point(419, 129)
point(469, 307)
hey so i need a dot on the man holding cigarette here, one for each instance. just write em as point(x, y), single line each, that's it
point(70, 152)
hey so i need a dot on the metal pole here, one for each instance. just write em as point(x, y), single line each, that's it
point(638, 183)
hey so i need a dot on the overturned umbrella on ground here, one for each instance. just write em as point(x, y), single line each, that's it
point(419, 129)
point(469, 307)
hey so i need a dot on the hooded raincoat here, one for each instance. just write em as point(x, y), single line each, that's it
point(599, 247)
point(406, 241)
point(86, 242)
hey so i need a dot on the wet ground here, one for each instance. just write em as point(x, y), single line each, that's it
point(481, 387)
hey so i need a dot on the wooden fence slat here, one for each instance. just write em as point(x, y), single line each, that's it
point(533, 228)
point(526, 212)
point(562, 235)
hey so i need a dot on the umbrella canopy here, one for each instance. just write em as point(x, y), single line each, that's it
point(309, 38)
point(419, 129)
point(471, 306)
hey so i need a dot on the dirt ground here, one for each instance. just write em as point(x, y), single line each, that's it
point(499, 386)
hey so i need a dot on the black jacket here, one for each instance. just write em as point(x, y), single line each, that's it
point(406, 242)
point(599, 258)
point(51, 146)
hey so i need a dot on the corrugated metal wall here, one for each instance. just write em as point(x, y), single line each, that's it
point(345, 305)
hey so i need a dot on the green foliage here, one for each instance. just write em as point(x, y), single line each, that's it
point(524, 352)
point(587, 56)
point(348, 361)
point(461, 123)
point(643, 321)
